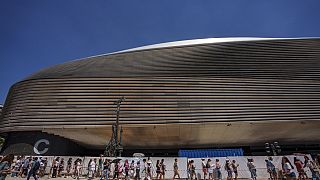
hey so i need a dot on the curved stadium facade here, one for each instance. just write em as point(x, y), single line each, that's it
point(218, 92)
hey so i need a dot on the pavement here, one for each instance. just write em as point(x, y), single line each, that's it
point(70, 178)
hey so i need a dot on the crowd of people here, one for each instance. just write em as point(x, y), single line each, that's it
point(212, 170)
point(104, 168)
point(287, 170)
point(100, 168)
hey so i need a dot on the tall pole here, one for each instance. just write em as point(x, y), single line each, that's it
point(118, 103)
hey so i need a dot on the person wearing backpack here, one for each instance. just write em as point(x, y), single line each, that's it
point(5, 165)
point(35, 165)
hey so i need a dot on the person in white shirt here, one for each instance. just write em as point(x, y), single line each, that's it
point(287, 168)
point(92, 168)
point(211, 167)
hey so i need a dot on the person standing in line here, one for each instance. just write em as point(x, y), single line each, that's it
point(299, 165)
point(204, 168)
point(189, 169)
point(95, 168)
point(228, 168)
point(132, 170)
point(16, 167)
point(175, 169)
point(271, 169)
point(22, 159)
point(78, 168)
point(211, 168)
point(5, 165)
point(149, 170)
point(42, 169)
point(163, 169)
point(100, 166)
point(61, 167)
point(287, 168)
point(126, 169)
point(218, 170)
point(137, 177)
point(25, 167)
point(252, 169)
point(312, 167)
point(158, 169)
point(55, 165)
point(69, 166)
point(35, 165)
point(105, 170)
point(235, 166)
point(88, 167)
point(143, 169)
point(92, 169)
point(192, 170)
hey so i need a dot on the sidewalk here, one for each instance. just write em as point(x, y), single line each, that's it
point(82, 178)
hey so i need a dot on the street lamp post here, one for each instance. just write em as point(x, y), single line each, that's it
point(273, 148)
point(114, 147)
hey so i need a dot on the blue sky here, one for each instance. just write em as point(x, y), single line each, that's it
point(35, 34)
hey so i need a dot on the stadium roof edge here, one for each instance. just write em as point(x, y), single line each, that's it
point(180, 43)
point(190, 42)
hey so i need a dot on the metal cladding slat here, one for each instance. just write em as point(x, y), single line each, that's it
point(265, 80)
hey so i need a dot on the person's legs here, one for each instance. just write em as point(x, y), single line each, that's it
point(255, 173)
point(29, 175)
point(34, 174)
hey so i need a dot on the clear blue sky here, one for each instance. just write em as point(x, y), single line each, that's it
point(39, 33)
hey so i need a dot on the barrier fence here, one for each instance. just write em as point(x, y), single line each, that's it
point(243, 171)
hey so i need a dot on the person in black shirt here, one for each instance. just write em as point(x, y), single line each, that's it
point(69, 165)
point(163, 169)
point(138, 171)
point(35, 165)
point(105, 172)
point(158, 169)
point(61, 167)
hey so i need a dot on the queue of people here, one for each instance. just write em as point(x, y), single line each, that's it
point(212, 170)
point(26, 167)
point(101, 168)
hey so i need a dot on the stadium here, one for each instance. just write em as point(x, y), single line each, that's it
point(193, 94)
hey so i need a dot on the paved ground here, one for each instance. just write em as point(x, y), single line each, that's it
point(68, 178)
